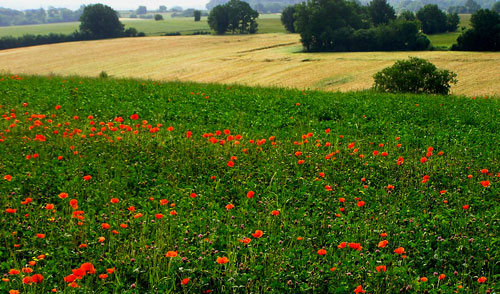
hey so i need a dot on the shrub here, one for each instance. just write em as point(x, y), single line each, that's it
point(415, 75)
point(158, 17)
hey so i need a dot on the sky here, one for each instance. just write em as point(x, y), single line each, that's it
point(115, 4)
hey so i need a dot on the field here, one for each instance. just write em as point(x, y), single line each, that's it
point(137, 186)
point(185, 25)
point(263, 59)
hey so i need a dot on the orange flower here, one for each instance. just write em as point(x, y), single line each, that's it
point(423, 279)
point(37, 278)
point(250, 194)
point(13, 272)
point(382, 244)
point(484, 171)
point(360, 203)
point(466, 206)
point(258, 234)
point(88, 267)
point(275, 212)
point(103, 276)
point(185, 281)
point(101, 239)
point(134, 116)
point(110, 270)
point(230, 163)
point(383, 235)
point(481, 280)
point(356, 246)
point(399, 250)
point(159, 216)
point(14, 292)
point(485, 183)
point(171, 254)
point(381, 268)
point(342, 245)
point(105, 226)
point(115, 200)
point(442, 276)
point(322, 252)
point(222, 260)
point(173, 212)
point(246, 240)
point(49, 206)
point(333, 269)
point(40, 236)
point(229, 206)
point(10, 210)
point(423, 159)
point(87, 177)
point(27, 280)
point(359, 289)
point(192, 195)
point(8, 178)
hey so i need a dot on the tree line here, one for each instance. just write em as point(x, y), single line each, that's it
point(9, 17)
point(97, 21)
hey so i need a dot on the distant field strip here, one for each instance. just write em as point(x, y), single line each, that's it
point(265, 59)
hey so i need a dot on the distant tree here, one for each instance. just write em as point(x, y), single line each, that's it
point(176, 9)
point(472, 6)
point(484, 34)
point(496, 7)
point(234, 16)
point(433, 19)
point(162, 8)
point(158, 17)
point(142, 10)
point(407, 15)
point(197, 15)
point(452, 21)
point(100, 21)
point(381, 12)
point(287, 18)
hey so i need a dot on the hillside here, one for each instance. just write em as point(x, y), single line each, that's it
point(264, 6)
point(265, 59)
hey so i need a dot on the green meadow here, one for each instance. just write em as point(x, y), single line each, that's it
point(137, 186)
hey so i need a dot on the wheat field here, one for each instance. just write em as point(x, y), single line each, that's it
point(263, 60)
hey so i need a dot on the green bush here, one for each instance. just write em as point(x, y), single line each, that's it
point(415, 75)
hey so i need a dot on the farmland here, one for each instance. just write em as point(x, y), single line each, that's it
point(258, 60)
point(143, 187)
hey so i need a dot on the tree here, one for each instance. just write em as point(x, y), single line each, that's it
point(287, 18)
point(484, 34)
point(162, 8)
point(158, 17)
point(197, 15)
point(433, 20)
point(415, 75)
point(142, 10)
point(381, 12)
point(407, 15)
point(234, 16)
point(100, 21)
point(471, 6)
point(496, 7)
point(452, 21)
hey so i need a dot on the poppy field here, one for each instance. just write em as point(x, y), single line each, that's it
point(134, 186)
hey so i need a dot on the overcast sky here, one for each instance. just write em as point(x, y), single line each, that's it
point(115, 4)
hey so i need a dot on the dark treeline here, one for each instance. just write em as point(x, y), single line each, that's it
point(10, 42)
point(9, 17)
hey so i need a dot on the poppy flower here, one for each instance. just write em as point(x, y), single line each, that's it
point(230, 163)
point(250, 194)
point(258, 234)
point(40, 236)
point(13, 272)
point(359, 289)
point(222, 260)
point(171, 254)
point(101, 239)
point(105, 226)
point(134, 116)
point(423, 160)
point(484, 171)
point(229, 206)
point(110, 270)
point(13, 291)
point(115, 200)
point(333, 269)
point(87, 177)
point(246, 240)
point(275, 212)
point(37, 278)
point(27, 280)
point(49, 206)
point(159, 216)
point(10, 210)
point(88, 267)
point(399, 250)
point(185, 281)
point(173, 212)
point(466, 206)
point(485, 183)
point(342, 245)
point(382, 244)
point(189, 134)
point(192, 195)
point(322, 252)
point(356, 246)
point(360, 204)
point(381, 268)
point(481, 280)
point(8, 178)
point(103, 276)
point(423, 279)
point(383, 235)
point(442, 276)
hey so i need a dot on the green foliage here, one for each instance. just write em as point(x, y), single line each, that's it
point(197, 15)
point(414, 75)
point(338, 25)
point(100, 21)
point(235, 16)
point(158, 17)
point(452, 21)
point(288, 19)
point(362, 142)
point(142, 10)
point(433, 19)
point(484, 34)
point(496, 7)
point(380, 12)
point(407, 15)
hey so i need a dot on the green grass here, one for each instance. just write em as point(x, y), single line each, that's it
point(184, 25)
point(289, 138)
point(446, 40)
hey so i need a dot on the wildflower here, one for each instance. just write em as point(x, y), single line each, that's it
point(250, 194)
point(158, 216)
point(423, 159)
point(222, 260)
point(115, 200)
point(359, 289)
point(185, 281)
point(442, 276)
point(275, 212)
point(382, 244)
point(360, 204)
point(258, 234)
point(13, 272)
point(423, 279)
point(342, 245)
point(103, 276)
point(229, 206)
point(381, 268)
point(8, 178)
point(485, 183)
point(40, 236)
point(134, 116)
point(399, 250)
point(230, 163)
point(481, 280)
point(356, 246)
point(466, 206)
point(322, 252)
point(87, 177)
point(110, 270)
point(171, 254)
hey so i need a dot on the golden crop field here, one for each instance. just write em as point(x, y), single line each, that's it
point(265, 59)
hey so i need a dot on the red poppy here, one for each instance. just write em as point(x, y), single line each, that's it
point(229, 206)
point(10, 210)
point(134, 116)
point(14, 272)
point(115, 200)
point(222, 260)
point(87, 177)
point(8, 178)
point(381, 268)
point(171, 254)
point(360, 203)
point(359, 289)
point(275, 212)
point(103, 276)
point(40, 236)
point(382, 244)
point(356, 246)
point(342, 245)
point(442, 276)
point(322, 252)
point(399, 250)
point(485, 183)
point(230, 163)
point(159, 216)
point(185, 281)
point(423, 159)
point(105, 226)
point(481, 280)
point(466, 206)
point(250, 194)
point(258, 234)
point(192, 195)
